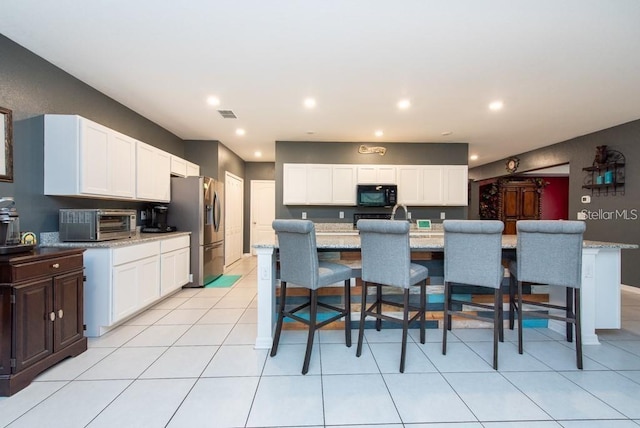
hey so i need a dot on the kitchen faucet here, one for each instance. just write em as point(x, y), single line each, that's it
point(395, 208)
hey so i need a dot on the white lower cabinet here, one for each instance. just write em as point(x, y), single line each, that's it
point(123, 281)
point(174, 262)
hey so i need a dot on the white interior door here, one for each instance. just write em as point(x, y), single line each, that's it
point(233, 214)
point(263, 210)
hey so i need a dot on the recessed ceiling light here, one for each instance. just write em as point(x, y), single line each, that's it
point(379, 133)
point(404, 104)
point(309, 102)
point(473, 157)
point(240, 131)
point(311, 132)
point(445, 133)
point(496, 105)
point(213, 101)
point(258, 154)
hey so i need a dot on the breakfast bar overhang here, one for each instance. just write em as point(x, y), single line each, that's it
point(600, 280)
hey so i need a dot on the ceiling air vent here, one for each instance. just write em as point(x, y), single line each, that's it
point(227, 114)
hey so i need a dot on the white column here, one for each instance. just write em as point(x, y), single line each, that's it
point(266, 297)
point(600, 294)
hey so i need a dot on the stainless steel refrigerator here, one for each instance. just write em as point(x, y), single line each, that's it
point(196, 206)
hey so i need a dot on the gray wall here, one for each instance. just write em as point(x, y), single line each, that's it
point(205, 154)
point(347, 153)
point(579, 152)
point(31, 87)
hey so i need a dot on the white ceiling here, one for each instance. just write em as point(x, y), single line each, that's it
point(562, 68)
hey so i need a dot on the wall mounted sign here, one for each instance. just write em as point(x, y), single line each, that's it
point(370, 150)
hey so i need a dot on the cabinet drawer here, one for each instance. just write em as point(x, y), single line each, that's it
point(48, 267)
point(174, 243)
point(135, 252)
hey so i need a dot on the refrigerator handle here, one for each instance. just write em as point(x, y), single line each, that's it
point(217, 213)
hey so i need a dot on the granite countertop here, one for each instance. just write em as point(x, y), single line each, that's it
point(51, 240)
point(332, 238)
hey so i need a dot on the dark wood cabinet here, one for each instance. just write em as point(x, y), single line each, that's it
point(519, 200)
point(41, 313)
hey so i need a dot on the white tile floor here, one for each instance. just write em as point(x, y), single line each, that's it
point(189, 362)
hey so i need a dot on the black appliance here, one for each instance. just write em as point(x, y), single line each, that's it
point(156, 221)
point(370, 216)
point(377, 195)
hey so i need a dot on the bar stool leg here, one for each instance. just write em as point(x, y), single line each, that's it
point(281, 306)
point(405, 327)
point(313, 310)
point(363, 314)
point(347, 309)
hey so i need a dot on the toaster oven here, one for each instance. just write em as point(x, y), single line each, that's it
point(82, 225)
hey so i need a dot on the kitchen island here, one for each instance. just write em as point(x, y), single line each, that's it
point(600, 278)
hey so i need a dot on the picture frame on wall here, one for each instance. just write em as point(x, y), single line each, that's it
point(6, 158)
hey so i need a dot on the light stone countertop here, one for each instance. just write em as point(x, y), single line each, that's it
point(51, 240)
point(341, 236)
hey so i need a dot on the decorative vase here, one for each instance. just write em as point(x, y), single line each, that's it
point(601, 154)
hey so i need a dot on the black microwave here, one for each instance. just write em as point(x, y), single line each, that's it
point(377, 195)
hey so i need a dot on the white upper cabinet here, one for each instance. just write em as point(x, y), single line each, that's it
point(153, 173)
point(193, 170)
point(183, 168)
point(178, 166)
point(456, 186)
point(377, 174)
point(319, 184)
point(294, 184)
point(432, 185)
point(83, 158)
point(418, 185)
point(344, 180)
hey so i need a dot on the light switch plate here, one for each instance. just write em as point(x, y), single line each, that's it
point(442, 215)
point(304, 215)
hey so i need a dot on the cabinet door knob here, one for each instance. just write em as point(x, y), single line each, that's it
point(60, 313)
point(55, 265)
point(52, 316)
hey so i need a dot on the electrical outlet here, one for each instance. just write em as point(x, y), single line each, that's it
point(304, 215)
point(586, 199)
point(409, 215)
point(341, 214)
point(442, 215)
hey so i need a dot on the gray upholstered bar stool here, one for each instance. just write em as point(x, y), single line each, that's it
point(299, 265)
point(548, 252)
point(386, 260)
point(473, 256)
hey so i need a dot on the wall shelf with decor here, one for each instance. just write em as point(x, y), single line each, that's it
point(606, 175)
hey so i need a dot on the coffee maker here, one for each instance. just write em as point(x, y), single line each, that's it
point(10, 239)
point(156, 220)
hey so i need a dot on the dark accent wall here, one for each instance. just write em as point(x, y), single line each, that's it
point(347, 153)
point(612, 217)
point(205, 154)
point(31, 87)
